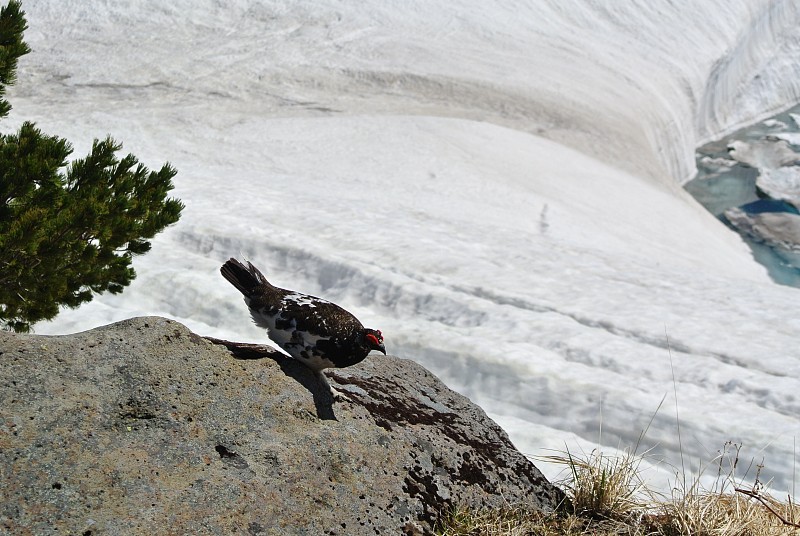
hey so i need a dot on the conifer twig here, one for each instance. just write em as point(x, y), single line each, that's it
point(757, 496)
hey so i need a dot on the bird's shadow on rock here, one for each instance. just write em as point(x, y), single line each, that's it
point(323, 401)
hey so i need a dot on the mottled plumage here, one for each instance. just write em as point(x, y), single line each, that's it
point(316, 332)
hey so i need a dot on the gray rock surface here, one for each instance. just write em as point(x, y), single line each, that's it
point(143, 427)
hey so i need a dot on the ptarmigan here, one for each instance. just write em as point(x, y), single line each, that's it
point(316, 332)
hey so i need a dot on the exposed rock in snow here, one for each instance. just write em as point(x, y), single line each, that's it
point(776, 229)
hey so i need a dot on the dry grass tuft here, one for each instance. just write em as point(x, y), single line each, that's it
point(522, 522)
point(601, 486)
point(723, 515)
point(608, 498)
point(729, 507)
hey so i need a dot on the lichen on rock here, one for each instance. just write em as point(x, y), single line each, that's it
point(145, 427)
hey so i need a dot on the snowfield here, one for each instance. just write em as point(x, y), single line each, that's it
point(498, 189)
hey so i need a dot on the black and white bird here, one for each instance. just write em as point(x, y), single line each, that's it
point(316, 332)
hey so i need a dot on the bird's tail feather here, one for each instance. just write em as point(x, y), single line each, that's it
point(244, 278)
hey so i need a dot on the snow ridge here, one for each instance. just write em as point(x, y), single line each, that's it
point(758, 77)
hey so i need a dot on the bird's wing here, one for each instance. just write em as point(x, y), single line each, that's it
point(317, 316)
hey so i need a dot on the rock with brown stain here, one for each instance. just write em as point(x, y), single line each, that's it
point(143, 427)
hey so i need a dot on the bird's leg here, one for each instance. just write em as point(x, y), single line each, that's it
point(335, 393)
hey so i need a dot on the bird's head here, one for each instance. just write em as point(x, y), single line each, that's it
point(373, 339)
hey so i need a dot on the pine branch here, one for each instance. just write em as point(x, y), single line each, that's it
point(68, 231)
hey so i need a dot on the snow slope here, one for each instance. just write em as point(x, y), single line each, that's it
point(496, 188)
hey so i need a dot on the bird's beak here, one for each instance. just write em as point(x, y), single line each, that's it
point(382, 349)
